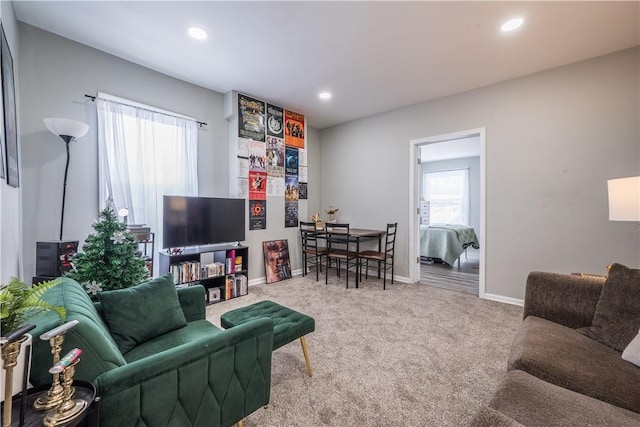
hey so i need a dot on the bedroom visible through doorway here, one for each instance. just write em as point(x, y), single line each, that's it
point(448, 191)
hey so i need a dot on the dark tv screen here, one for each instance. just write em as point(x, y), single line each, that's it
point(196, 221)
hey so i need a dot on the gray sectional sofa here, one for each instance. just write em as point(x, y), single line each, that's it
point(566, 366)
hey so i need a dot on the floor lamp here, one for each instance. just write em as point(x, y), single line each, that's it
point(68, 130)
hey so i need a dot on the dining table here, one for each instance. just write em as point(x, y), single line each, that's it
point(356, 236)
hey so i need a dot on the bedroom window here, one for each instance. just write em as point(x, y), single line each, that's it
point(448, 194)
point(144, 153)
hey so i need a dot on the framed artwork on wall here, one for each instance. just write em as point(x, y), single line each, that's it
point(276, 260)
point(10, 122)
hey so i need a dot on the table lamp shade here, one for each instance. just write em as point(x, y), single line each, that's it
point(624, 199)
point(66, 127)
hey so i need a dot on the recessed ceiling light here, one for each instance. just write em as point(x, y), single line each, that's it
point(197, 33)
point(324, 95)
point(511, 24)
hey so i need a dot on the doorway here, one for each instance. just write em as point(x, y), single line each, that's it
point(444, 252)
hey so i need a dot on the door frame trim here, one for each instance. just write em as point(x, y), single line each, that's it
point(414, 197)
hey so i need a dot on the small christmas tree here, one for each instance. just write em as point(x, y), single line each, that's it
point(108, 259)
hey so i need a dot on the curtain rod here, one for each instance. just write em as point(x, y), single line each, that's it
point(93, 98)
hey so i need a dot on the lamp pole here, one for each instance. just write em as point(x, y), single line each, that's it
point(67, 139)
point(68, 130)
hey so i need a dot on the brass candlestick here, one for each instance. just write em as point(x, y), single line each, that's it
point(54, 395)
point(10, 352)
point(69, 408)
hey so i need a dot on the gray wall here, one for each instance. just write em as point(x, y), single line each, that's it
point(552, 140)
point(10, 197)
point(55, 74)
point(471, 163)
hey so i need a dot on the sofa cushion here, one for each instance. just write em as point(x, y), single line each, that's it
point(617, 317)
point(99, 351)
point(568, 359)
point(632, 352)
point(142, 312)
point(533, 402)
point(192, 332)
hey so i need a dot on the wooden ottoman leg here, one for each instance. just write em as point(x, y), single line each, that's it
point(305, 350)
point(240, 424)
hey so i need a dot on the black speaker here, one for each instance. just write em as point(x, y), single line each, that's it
point(53, 259)
point(39, 279)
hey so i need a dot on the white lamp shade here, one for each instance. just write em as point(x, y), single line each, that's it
point(624, 199)
point(66, 127)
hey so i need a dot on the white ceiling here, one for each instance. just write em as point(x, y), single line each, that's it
point(373, 56)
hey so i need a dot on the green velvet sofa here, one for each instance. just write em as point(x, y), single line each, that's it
point(191, 375)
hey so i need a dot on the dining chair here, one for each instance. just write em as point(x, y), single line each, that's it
point(383, 258)
point(311, 253)
point(337, 236)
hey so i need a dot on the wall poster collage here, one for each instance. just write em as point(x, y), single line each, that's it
point(272, 159)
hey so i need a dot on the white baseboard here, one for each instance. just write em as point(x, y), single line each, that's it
point(263, 279)
point(403, 279)
point(298, 272)
point(258, 281)
point(506, 300)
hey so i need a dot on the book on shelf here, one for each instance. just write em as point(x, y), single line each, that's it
point(230, 261)
point(215, 269)
point(241, 285)
point(228, 287)
point(235, 286)
point(185, 272)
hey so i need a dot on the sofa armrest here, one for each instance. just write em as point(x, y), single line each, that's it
point(192, 301)
point(214, 381)
point(562, 298)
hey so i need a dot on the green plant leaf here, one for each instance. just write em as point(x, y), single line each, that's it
point(19, 302)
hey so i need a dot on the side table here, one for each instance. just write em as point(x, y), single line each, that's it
point(32, 418)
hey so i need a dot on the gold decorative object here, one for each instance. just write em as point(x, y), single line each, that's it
point(69, 408)
point(331, 212)
point(10, 352)
point(317, 221)
point(52, 397)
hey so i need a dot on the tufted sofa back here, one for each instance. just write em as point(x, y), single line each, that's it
point(99, 351)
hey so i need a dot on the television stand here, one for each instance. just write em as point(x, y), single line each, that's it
point(223, 269)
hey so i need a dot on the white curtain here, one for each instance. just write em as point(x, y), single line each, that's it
point(144, 155)
point(448, 196)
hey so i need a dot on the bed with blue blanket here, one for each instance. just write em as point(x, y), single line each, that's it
point(446, 241)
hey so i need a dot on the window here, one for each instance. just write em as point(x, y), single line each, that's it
point(448, 196)
point(144, 154)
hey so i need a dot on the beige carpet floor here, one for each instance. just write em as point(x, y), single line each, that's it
point(412, 355)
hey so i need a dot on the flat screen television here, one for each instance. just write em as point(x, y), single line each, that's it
point(196, 221)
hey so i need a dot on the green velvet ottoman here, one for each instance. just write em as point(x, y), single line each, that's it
point(288, 324)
